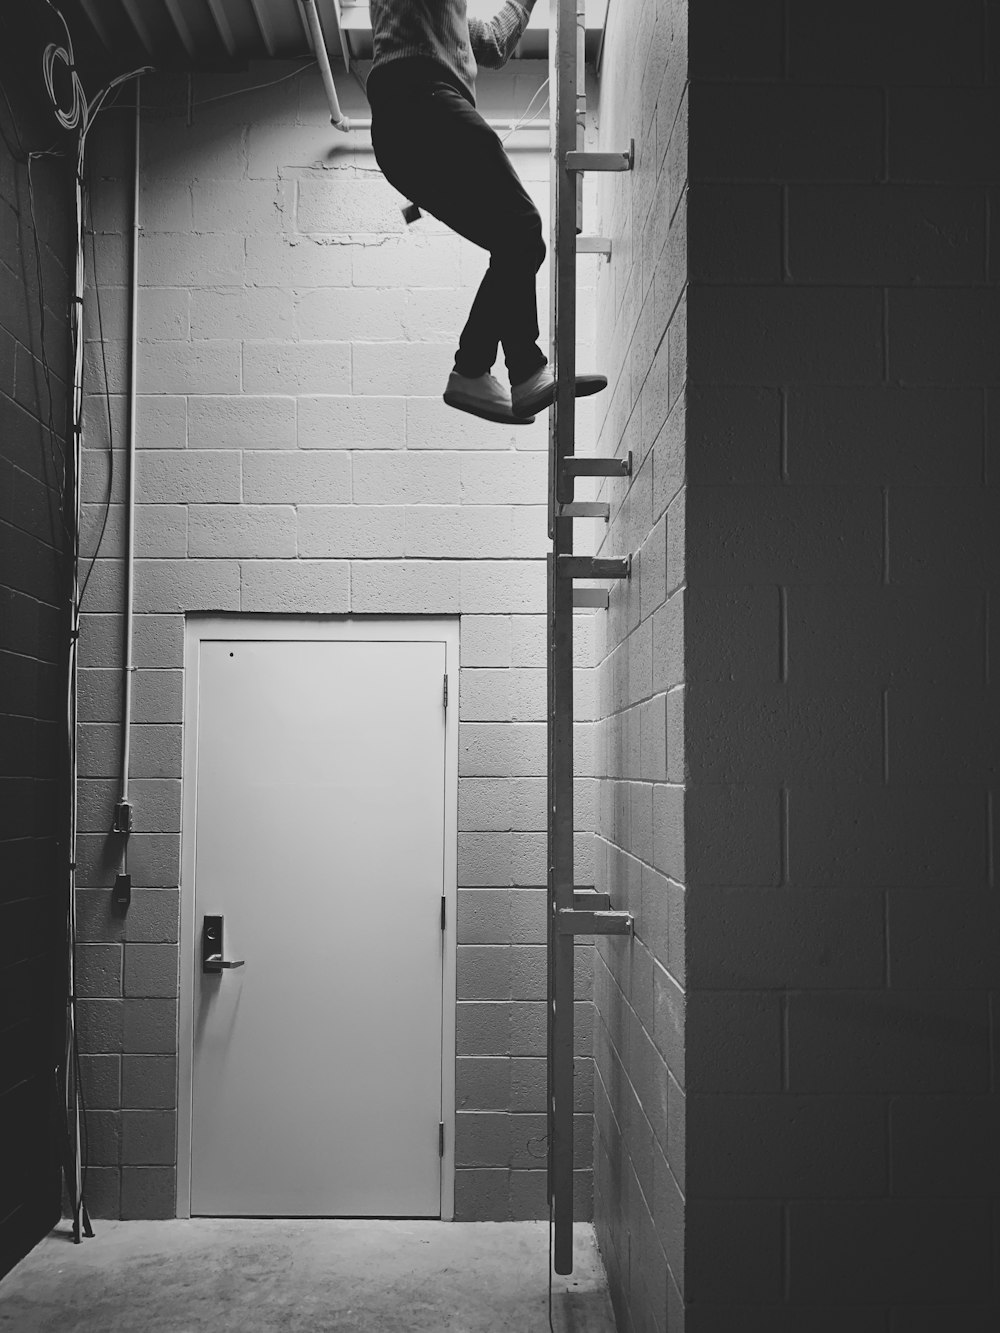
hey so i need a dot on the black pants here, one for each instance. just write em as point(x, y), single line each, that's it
point(434, 147)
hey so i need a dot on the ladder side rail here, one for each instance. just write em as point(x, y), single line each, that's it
point(565, 83)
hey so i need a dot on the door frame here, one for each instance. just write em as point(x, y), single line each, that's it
point(272, 628)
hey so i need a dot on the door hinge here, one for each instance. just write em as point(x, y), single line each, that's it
point(441, 1138)
point(444, 906)
point(446, 690)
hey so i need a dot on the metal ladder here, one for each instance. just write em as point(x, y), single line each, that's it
point(572, 911)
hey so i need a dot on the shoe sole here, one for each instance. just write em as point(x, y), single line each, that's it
point(585, 386)
point(494, 414)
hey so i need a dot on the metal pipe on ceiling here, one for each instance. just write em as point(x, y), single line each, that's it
point(318, 42)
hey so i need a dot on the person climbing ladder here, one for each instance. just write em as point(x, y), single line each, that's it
point(432, 145)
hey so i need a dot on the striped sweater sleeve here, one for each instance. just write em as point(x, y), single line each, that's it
point(493, 42)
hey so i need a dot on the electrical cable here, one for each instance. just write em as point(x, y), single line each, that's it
point(238, 92)
point(109, 490)
point(525, 119)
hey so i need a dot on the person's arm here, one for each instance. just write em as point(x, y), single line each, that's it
point(493, 42)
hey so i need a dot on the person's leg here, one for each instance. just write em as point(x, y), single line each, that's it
point(433, 146)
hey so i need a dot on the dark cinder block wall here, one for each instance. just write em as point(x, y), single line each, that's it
point(34, 269)
point(797, 1057)
point(841, 700)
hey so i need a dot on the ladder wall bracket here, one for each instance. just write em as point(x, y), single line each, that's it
point(594, 245)
point(584, 509)
point(592, 567)
point(576, 465)
point(576, 161)
point(576, 921)
point(590, 899)
point(592, 597)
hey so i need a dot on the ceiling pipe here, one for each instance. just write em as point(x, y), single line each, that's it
point(318, 42)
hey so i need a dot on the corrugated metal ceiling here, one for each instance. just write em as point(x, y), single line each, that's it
point(223, 34)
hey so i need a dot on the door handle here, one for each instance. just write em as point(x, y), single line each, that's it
point(215, 962)
point(211, 947)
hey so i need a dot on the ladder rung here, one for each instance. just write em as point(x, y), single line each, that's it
point(574, 921)
point(591, 597)
point(590, 899)
point(575, 465)
point(592, 567)
point(585, 509)
point(576, 161)
point(594, 245)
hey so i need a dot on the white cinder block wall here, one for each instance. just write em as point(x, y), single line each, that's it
point(295, 457)
point(639, 985)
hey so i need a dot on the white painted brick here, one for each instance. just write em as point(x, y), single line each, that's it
point(173, 259)
point(296, 587)
point(250, 312)
point(241, 530)
point(405, 478)
point(163, 313)
point(106, 368)
point(653, 739)
point(435, 314)
point(290, 261)
point(245, 207)
point(484, 749)
point(351, 531)
point(527, 692)
point(484, 859)
point(273, 150)
point(92, 521)
point(173, 150)
point(294, 477)
point(527, 749)
point(431, 424)
point(528, 858)
point(484, 805)
point(485, 641)
point(161, 530)
point(187, 585)
point(351, 423)
point(241, 422)
point(504, 478)
point(404, 587)
point(530, 534)
point(584, 637)
point(164, 205)
point(161, 422)
point(527, 640)
point(400, 368)
point(297, 368)
point(503, 585)
point(407, 261)
point(527, 804)
point(181, 476)
point(353, 312)
point(454, 532)
point(584, 802)
point(176, 367)
point(485, 695)
point(583, 749)
point(336, 206)
point(584, 695)
point(502, 749)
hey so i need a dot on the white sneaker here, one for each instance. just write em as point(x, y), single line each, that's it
point(483, 396)
point(538, 391)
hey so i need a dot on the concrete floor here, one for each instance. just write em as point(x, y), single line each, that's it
point(304, 1277)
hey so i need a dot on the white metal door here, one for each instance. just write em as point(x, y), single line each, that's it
point(317, 1069)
